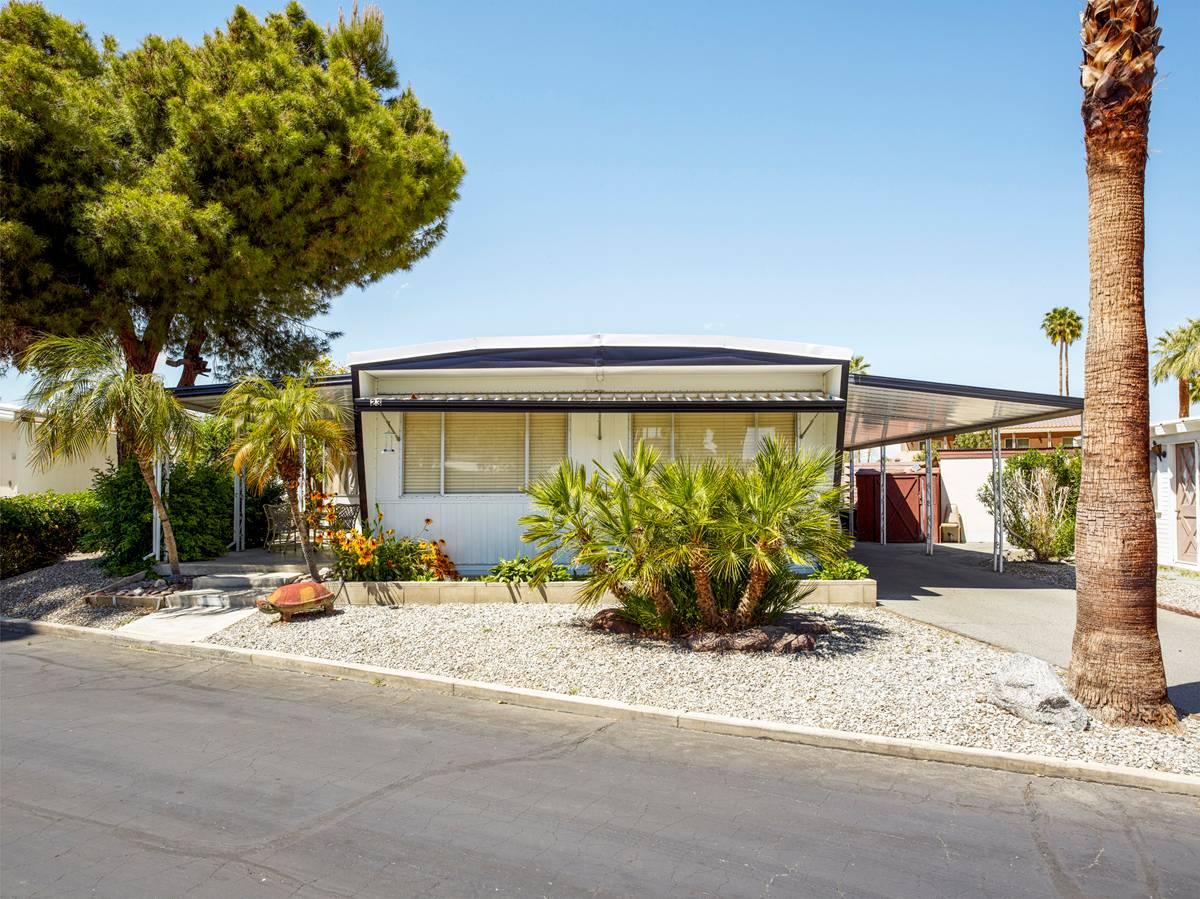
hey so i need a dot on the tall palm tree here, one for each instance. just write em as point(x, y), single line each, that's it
point(1116, 659)
point(271, 425)
point(1178, 353)
point(1063, 326)
point(859, 365)
point(85, 391)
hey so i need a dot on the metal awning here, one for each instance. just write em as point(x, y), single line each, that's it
point(882, 411)
point(607, 400)
point(206, 397)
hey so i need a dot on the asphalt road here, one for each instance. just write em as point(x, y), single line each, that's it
point(128, 773)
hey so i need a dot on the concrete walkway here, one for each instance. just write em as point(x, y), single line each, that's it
point(956, 590)
point(188, 625)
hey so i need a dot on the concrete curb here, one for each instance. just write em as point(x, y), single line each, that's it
point(1179, 610)
point(896, 747)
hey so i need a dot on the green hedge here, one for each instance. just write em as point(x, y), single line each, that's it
point(38, 529)
point(199, 500)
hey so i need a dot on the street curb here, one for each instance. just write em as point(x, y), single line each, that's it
point(1179, 610)
point(896, 747)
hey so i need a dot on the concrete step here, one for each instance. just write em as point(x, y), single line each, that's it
point(210, 598)
point(262, 580)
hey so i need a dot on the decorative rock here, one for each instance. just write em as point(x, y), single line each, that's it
point(769, 638)
point(1029, 688)
point(296, 599)
point(325, 573)
point(160, 583)
point(612, 621)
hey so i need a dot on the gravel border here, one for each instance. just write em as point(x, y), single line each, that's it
point(878, 673)
point(55, 593)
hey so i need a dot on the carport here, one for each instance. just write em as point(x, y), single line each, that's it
point(882, 411)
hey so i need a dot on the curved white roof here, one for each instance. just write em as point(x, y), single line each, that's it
point(783, 347)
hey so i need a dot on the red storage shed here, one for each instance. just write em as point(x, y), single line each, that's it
point(905, 506)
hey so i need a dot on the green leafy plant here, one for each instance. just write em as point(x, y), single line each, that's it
point(973, 440)
point(376, 554)
point(1041, 492)
point(685, 546)
point(841, 570)
point(38, 529)
point(524, 570)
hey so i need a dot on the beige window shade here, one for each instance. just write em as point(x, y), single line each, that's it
point(715, 435)
point(485, 452)
point(653, 429)
point(422, 452)
point(779, 426)
point(547, 442)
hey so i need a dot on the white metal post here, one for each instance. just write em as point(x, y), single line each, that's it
point(929, 502)
point(303, 477)
point(883, 495)
point(155, 518)
point(997, 504)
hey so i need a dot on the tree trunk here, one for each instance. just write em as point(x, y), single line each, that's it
point(193, 363)
point(664, 606)
point(146, 467)
point(1060, 369)
point(1185, 397)
point(292, 487)
point(748, 604)
point(1116, 660)
point(1066, 369)
point(706, 602)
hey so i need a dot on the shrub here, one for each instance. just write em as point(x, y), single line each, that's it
point(199, 498)
point(841, 570)
point(1041, 493)
point(686, 546)
point(377, 554)
point(523, 570)
point(38, 529)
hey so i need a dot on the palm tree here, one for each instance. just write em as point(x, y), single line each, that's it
point(1178, 353)
point(1116, 659)
point(85, 390)
point(858, 365)
point(271, 426)
point(779, 512)
point(1063, 326)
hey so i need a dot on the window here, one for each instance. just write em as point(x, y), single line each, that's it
point(480, 452)
point(713, 435)
point(1016, 443)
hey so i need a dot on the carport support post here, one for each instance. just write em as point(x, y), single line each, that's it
point(997, 504)
point(929, 496)
point(883, 496)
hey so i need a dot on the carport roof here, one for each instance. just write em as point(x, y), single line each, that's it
point(882, 411)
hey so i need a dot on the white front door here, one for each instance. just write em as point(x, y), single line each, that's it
point(596, 437)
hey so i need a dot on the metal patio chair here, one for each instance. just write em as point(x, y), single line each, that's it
point(345, 517)
point(281, 530)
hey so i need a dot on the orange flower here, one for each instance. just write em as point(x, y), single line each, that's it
point(429, 521)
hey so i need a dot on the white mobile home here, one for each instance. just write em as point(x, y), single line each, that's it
point(454, 432)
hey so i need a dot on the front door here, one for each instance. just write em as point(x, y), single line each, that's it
point(596, 437)
point(1185, 502)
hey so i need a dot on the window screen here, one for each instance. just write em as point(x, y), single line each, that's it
point(422, 452)
point(485, 452)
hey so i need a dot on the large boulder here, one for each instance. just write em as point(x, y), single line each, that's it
point(613, 621)
point(1029, 688)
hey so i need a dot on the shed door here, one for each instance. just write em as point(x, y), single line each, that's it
point(1185, 502)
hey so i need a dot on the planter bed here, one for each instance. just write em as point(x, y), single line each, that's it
point(57, 594)
point(395, 593)
point(877, 673)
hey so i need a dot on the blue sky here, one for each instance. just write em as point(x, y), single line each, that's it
point(904, 179)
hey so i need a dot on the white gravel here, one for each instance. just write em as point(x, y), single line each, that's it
point(878, 673)
point(54, 594)
point(1175, 586)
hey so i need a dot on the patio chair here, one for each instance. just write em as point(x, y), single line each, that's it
point(281, 530)
point(345, 517)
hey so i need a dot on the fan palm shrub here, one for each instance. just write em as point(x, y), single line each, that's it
point(85, 391)
point(270, 425)
point(687, 546)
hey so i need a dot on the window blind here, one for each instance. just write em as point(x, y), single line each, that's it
point(653, 429)
point(777, 426)
point(485, 452)
point(715, 435)
point(547, 442)
point(422, 452)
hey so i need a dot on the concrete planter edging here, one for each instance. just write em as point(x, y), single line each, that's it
point(396, 593)
point(896, 747)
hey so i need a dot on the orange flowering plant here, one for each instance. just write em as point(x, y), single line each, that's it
point(376, 554)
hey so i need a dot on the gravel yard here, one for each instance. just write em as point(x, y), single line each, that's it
point(54, 594)
point(1175, 587)
point(877, 673)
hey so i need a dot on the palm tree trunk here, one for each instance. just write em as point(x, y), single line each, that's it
point(1066, 369)
point(146, 467)
point(1185, 398)
point(1060, 369)
point(706, 601)
point(664, 606)
point(292, 487)
point(1116, 660)
point(751, 597)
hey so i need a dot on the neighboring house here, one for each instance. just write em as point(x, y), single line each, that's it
point(454, 432)
point(1175, 461)
point(17, 476)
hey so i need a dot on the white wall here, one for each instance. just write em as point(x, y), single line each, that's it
point(1168, 436)
point(961, 480)
point(16, 476)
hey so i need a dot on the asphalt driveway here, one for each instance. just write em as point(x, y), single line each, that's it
point(129, 773)
point(955, 589)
